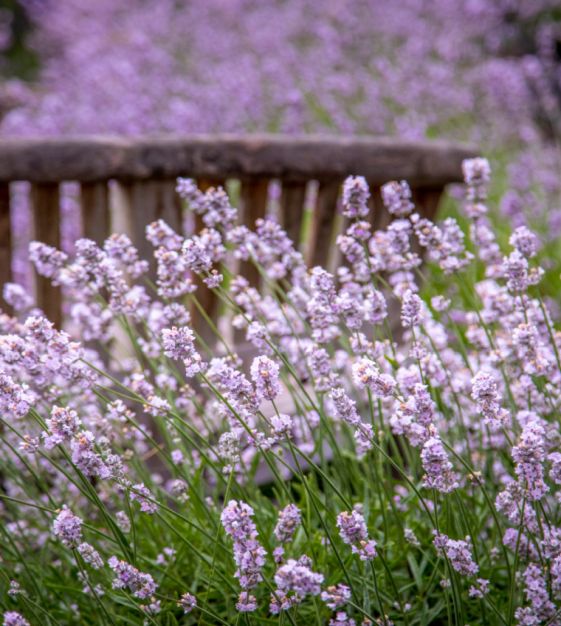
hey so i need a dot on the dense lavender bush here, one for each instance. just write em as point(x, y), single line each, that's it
point(388, 453)
point(483, 70)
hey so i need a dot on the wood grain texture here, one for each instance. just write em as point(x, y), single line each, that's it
point(96, 158)
point(321, 232)
point(94, 203)
point(5, 238)
point(254, 196)
point(45, 202)
point(293, 198)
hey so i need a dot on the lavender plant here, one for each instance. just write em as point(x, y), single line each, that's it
point(387, 452)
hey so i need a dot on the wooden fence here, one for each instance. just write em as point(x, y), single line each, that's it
point(144, 171)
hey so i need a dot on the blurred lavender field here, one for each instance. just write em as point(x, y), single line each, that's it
point(481, 70)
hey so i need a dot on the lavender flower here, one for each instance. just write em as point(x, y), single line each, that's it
point(367, 374)
point(336, 596)
point(68, 528)
point(295, 580)
point(287, 523)
point(187, 602)
point(353, 531)
point(265, 375)
point(141, 585)
point(355, 197)
point(249, 555)
point(439, 471)
point(525, 241)
point(90, 555)
point(397, 198)
point(458, 553)
point(529, 456)
point(485, 392)
point(477, 174)
point(63, 425)
point(11, 618)
point(411, 308)
point(179, 343)
point(141, 494)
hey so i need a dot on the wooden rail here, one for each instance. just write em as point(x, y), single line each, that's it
point(144, 171)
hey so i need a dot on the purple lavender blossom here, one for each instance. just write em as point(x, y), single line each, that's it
point(529, 456)
point(11, 618)
point(458, 553)
point(439, 472)
point(355, 197)
point(141, 494)
point(249, 555)
point(288, 521)
point(63, 425)
point(411, 309)
point(342, 619)
point(265, 375)
point(397, 198)
point(179, 343)
point(90, 555)
point(68, 528)
point(353, 531)
point(336, 596)
point(295, 580)
point(366, 374)
point(187, 602)
point(525, 241)
point(485, 392)
point(141, 585)
point(477, 174)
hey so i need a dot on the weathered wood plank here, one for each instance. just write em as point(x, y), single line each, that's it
point(427, 201)
point(254, 196)
point(96, 219)
point(45, 202)
point(5, 239)
point(96, 158)
point(293, 198)
point(321, 233)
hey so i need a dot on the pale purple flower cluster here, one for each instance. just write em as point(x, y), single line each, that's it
point(141, 494)
point(477, 175)
point(288, 521)
point(63, 426)
point(141, 585)
point(249, 555)
point(15, 399)
point(397, 198)
point(12, 618)
point(265, 376)
point(439, 471)
point(411, 309)
point(355, 197)
point(295, 580)
point(366, 374)
point(354, 533)
point(187, 602)
point(485, 392)
point(179, 343)
point(90, 555)
point(541, 609)
point(458, 553)
point(68, 528)
point(336, 596)
point(529, 455)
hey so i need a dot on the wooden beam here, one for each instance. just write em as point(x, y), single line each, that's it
point(97, 158)
point(5, 238)
point(45, 200)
